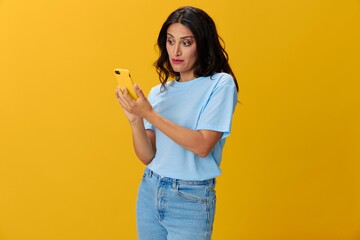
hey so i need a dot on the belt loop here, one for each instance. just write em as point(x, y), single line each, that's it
point(151, 173)
point(174, 184)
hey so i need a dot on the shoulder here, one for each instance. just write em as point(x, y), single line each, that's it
point(224, 86)
point(222, 80)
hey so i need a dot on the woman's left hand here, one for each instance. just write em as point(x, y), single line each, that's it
point(140, 107)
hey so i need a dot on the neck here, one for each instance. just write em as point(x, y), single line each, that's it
point(186, 77)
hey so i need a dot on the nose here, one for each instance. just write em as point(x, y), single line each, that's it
point(177, 50)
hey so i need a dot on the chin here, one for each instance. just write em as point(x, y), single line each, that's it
point(176, 69)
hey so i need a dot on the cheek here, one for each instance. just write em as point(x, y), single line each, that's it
point(194, 54)
point(167, 49)
point(193, 57)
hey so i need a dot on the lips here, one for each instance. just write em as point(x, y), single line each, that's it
point(176, 61)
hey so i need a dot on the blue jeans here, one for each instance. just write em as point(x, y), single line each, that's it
point(171, 209)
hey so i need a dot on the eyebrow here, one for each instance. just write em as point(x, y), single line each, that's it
point(181, 37)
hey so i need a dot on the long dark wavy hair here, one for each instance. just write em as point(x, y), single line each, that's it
point(211, 55)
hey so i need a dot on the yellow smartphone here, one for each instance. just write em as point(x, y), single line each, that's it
point(124, 80)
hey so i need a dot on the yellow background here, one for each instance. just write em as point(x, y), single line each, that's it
point(291, 167)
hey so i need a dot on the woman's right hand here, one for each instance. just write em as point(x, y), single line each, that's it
point(131, 117)
point(143, 140)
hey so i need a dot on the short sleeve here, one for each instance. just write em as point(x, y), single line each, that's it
point(218, 111)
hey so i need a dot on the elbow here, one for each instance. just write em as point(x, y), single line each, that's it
point(146, 162)
point(145, 159)
point(204, 145)
point(203, 153)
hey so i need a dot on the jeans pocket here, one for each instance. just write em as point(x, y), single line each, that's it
point(194, 193)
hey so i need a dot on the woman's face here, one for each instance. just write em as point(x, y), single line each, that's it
point(181, 48)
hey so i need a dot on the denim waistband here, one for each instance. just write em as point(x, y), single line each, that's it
point(150, 173)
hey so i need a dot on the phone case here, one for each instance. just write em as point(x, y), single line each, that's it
point(124, 80)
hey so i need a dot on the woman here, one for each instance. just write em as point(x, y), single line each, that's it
point(179, 131)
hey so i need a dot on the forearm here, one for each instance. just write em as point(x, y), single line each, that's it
point(199, 142)
point(143, 146)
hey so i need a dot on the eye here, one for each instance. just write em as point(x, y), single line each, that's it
point(170, 41)
point(186, 43)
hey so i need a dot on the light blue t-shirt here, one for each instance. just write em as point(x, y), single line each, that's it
point(203, 103)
